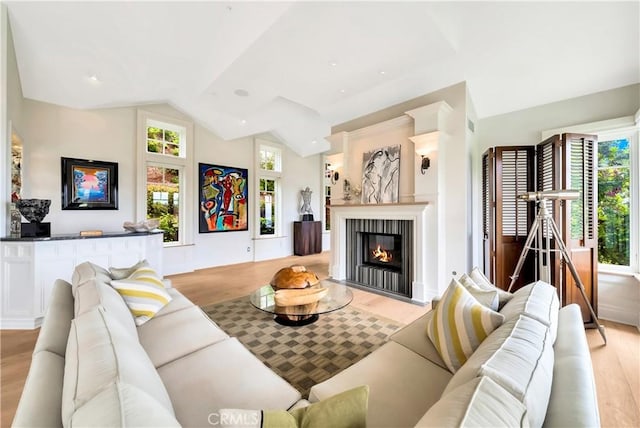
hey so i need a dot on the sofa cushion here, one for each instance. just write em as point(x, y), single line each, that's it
point(402, 385)
point(459, 325)
point(414, 336)
point(573, 401)
point(489, 298)
point(223, 375)
point(125, 272)
point(123, 405)
point(483, 282)
point(186, 331)
point(347, 409)
point(481, 402)
point(94, 293)
point(54, 332)
point(99, 352)
point(519, 357)
point(87, 271)
point(178, 302)
point(41, 398)
point(144, 293)
point(537, 300)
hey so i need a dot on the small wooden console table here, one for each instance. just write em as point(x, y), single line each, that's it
point(307, 237)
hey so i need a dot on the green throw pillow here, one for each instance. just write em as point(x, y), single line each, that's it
point(345, 410)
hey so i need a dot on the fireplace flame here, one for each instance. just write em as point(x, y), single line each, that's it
point(382, 255)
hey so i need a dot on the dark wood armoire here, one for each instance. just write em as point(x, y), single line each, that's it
point(566, 161)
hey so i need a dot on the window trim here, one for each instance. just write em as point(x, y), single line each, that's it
point(275, 175)
point(633, 135)
point(183, 163)
point(629, 127)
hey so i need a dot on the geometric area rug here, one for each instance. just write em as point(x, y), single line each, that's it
point(306, 355)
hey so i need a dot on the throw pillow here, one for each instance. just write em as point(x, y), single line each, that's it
point(347, 409)
point(144, 294)
point(483, 282)
point(122, 273)
point(489, 298)
point(459, 325)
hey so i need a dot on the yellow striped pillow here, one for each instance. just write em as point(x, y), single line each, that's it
point(143, 292)
point(459, 325)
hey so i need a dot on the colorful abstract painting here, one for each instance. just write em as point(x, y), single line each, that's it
point(89, 184)
point(223, 198)
point(380, 175)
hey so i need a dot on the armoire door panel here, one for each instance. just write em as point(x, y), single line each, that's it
point(508, 173)
point(583, 261)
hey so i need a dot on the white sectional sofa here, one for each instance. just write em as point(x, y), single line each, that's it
point(533, 370)
point(92, 366)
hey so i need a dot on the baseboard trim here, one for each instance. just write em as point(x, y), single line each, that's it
point(618, 314)
point(20, 323)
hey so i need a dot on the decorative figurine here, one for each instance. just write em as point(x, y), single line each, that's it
point(305, 210)
point(34, 210)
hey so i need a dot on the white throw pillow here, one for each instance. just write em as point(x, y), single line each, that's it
point(144, 294)
point(459, 325)
point(125, 272)
point(489, 298)
point(483, 282)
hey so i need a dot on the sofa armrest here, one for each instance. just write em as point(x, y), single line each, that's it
point(573, 399)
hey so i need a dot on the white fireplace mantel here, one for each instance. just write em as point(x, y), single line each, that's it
point(425, 241)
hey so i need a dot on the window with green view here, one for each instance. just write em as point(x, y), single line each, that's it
point(614, 202)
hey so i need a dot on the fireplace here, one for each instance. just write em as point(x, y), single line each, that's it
point(378, 254)
point(382, 250)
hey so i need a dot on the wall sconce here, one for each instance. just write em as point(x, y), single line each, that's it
point(332, 173)
point(426, 163)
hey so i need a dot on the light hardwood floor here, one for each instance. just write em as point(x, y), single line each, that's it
point(616, 365)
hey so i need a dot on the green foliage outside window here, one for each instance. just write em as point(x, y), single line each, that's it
point(614, 202)
point(166, 213)
point(163, 141)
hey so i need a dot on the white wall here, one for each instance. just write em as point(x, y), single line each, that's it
point(10, 111)
point(451, 165)
point(378, 136)
point(52, 131)
point(618, 296)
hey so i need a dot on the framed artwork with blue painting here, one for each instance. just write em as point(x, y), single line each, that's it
point(223, 198)
point(89, 184)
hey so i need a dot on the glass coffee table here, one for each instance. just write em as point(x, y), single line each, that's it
point(337, 296)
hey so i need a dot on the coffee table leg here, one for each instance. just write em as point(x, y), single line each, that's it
point(296, 320)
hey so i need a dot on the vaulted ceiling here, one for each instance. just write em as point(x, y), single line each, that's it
point(295, 69)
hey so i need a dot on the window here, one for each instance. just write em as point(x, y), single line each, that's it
point(327, 207)
point(267, 206)
point(614, 201)
point(163, 199)
point(164, 171)
point(618, 190)
point(269, 175)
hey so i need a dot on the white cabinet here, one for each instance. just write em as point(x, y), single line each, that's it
point(29, 268)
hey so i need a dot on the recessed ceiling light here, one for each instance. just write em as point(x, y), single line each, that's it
point(243, 122)
point(92, 78)
point(333, 63)
point(342, 91)
point(241, 92)
point(314, 142)
point(382, 72)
